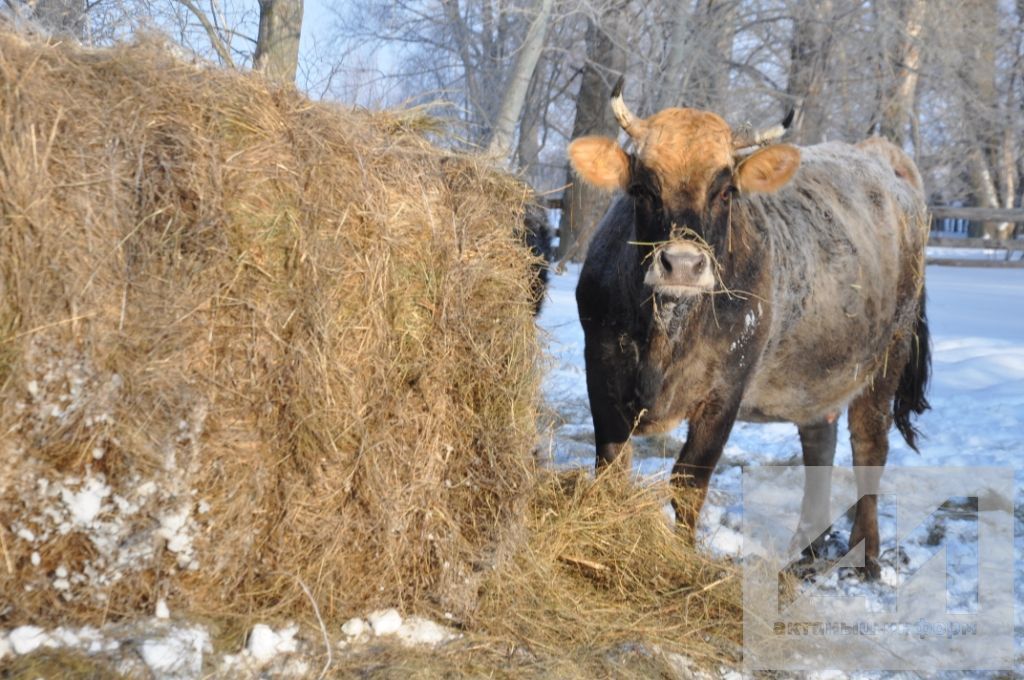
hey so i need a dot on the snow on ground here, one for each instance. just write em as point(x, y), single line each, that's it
point(977, 417)
point(178, 650)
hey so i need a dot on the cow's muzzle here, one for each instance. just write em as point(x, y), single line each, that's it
point(680, 269)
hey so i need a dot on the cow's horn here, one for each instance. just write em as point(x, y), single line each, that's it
point(747, 139)
point(630, 123)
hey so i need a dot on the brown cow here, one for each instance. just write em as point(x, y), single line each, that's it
point(786, 284)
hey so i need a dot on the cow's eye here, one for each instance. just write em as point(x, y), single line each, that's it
point(726, 193)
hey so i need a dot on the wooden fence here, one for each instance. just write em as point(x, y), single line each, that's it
point(1008, 246)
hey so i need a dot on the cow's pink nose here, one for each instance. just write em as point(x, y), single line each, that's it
point(681, 267)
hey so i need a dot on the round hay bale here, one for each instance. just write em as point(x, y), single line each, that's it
point(248, 342)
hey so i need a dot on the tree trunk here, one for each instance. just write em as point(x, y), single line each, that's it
point(808, 67)
point(716, 30)
point(583, 205)
point(1008, 152)
point(277, 44)
point(1018, 196)
point(985, 196)
point(904, 58)
point(528, 144)
point(518, 83)
point(673, 73)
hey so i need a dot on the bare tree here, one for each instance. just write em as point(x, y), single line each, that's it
point(981, 113)
point(810, 46)
point(902, 23)
point(698, 54)
point(518, 83)
point(61, 16)
point(524, 77)
point(674, 71)
point(218, 42)
point(711, 77)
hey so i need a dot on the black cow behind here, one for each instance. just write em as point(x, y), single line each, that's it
point(538, 240)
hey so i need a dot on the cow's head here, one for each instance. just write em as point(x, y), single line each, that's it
point(686, 170)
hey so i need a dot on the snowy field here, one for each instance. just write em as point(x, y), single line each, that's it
point(977, 418)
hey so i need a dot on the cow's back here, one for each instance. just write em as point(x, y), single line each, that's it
point(847, 239)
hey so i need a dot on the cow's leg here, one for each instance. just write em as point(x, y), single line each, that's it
point(870, 419)
point(818, 441)
point(609, 406)
point(705, 440)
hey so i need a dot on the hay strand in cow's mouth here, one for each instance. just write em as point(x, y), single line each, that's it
point(689, 235)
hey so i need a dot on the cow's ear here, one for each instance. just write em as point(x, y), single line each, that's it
point(600, 161)
point(768, 170)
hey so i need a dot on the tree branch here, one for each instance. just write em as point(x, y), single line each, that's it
point(211, 32)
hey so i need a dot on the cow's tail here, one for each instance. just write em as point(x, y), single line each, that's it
point(910, 395)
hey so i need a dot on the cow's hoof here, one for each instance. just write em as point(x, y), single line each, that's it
point(896, 557)
point(828, 546)
point(871, 571)
point(817, 557)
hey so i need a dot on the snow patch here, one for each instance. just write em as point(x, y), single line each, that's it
point(265, 643)
point(750, 320)
point(411, 632)
point(175, 529)
point(129, 521)
point(85, 504)
point(725, 541)
point(385, 621)
point(354, 627)
point(268, 653)
point(27, 639)
point(116, 525)
point(416, 631)
point(178, 654)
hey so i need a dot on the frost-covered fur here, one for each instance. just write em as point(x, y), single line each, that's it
point(846, 267)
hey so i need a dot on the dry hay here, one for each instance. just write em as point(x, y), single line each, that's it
point(252, 345)
point(282, 341)
point(605, 569)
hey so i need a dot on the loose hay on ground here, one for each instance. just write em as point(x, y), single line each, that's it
point(605, 567)
point(252, 345)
